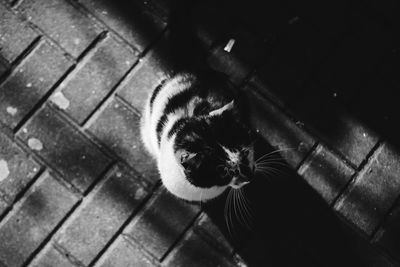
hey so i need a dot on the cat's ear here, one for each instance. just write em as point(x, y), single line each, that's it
point(185, 158)
point(219, 111)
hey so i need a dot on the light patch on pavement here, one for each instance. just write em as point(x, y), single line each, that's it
point(11, 110)
point(139, 193)
point(4, 171)
point(35, 144)
point(60, 100)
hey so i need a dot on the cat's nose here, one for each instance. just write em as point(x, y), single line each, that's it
point(239, 181)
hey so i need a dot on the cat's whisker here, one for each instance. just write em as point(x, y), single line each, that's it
point(248, 217)
point(241, 219)
point(242, 210)
point(227, 212)
point(271, 163)
point(272, 153)
point(246, 202)
point(269, 170)
point(234, 205)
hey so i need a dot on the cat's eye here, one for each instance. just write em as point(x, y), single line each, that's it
point(187, 156)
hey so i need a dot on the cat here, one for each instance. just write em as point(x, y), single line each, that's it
point(193, 124)
point(193, 127)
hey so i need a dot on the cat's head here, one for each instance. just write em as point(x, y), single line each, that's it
point(216, 150)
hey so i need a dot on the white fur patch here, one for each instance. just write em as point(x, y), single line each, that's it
point(233, 156)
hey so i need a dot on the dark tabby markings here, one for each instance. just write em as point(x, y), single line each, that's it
point(179, 100)
point(177, 126)
point(155, 93)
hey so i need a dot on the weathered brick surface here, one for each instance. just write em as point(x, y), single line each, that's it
point(160, 225)
point(277, 128)
point(16, 170)
point(124, 253)
point(33, 220)
point(210, 232)
point(375, 189)
point(194, 251)
point(15, 35)
point(50, 257)
point(102, 214)
point(64, 149)
point(118, 128)
point(134, 23)
point(142, 80)
point(326, 173)
point(70, 28)
point(86, 87)
point(30, 81)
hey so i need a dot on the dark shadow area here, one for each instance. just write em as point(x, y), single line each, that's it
point(292, 225)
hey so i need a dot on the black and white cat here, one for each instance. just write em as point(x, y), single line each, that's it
point(194, 129)
point(192, 124)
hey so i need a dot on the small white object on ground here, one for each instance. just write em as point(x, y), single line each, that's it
point(12, 111)
point(60, 100)
point(4, 171)
point(35, 144)
point(229, 45)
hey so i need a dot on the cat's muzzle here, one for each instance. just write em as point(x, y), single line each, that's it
point(239, 181)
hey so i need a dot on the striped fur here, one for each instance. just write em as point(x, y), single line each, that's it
point(182, 103)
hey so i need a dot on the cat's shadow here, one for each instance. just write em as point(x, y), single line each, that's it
point(291, 224)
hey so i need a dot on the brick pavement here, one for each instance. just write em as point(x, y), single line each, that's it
point(77, 189)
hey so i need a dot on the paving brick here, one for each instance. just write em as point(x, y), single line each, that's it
point(118, 128)
point(64, 149)
point(86, 87)
point(135, 24)
point(16, 168)
point(143, 79)
point(277, 128)
point(30, 81)
point(50, 257)
point(210, 232)
point(375, 189)
point(326, 173)
point(33, 220)
point(15, 35)
point(193, 251)
point(102, 214)
point(124, 253)
point(334, 124)
point(160, 225)
point(69, 27)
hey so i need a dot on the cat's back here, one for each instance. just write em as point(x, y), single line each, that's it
point(184, 96)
